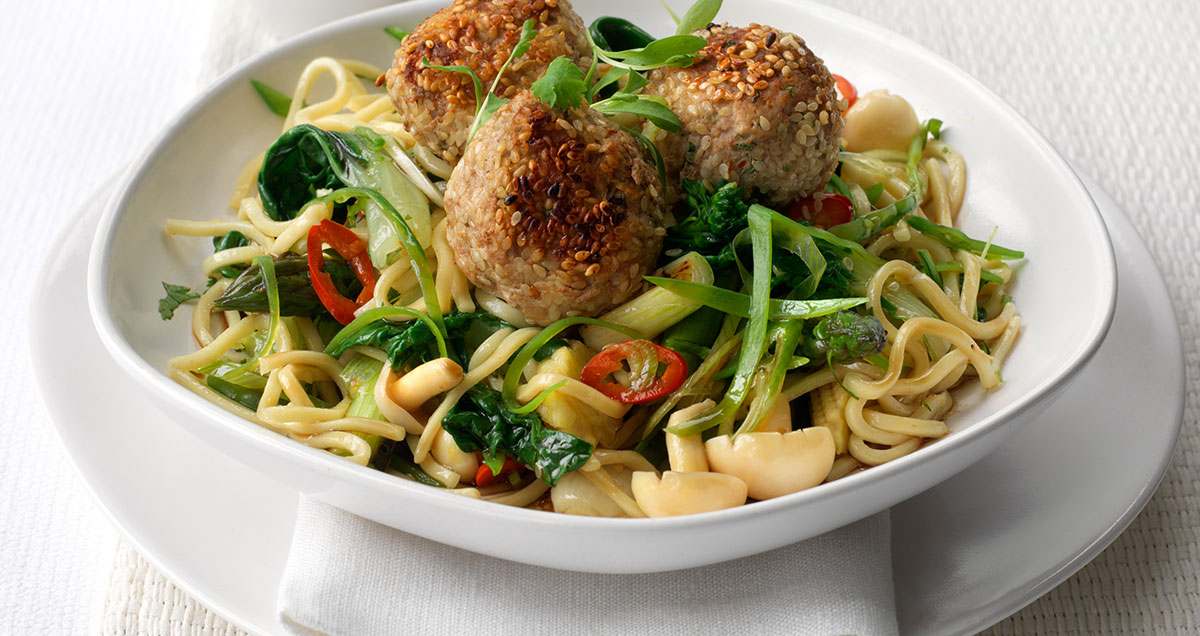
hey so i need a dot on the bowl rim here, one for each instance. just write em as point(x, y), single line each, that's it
point(990, 424)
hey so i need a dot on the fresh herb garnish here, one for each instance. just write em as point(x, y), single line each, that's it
point(176, 296)
point(487, 104)
point(698, 16)
point(396, 32)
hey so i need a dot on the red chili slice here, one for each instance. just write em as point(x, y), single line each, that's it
point(849, 93)
point(485, 478)
point(346, 243)
point(615, 358)
point(822, 209)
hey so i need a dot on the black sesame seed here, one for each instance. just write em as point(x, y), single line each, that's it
point(510, 199)
point(710, 26)
point(554, 190)
point(771, 38)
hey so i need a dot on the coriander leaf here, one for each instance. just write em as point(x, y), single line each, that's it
point(176, 296)
point(698, 16)
point(562, 86)
point(275, 100)
point(480, 422)
point(396, 32)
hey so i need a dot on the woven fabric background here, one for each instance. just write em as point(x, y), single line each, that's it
point(1112, 85)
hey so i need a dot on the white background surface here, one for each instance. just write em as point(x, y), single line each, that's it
point(1110, 83)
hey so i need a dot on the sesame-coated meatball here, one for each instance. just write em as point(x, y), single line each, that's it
point(759, 109)
point(557, 213)
point(438, 106)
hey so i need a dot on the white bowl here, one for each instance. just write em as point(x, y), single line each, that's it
point(1066, 293)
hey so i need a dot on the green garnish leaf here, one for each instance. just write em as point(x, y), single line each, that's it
point(649, 106)
point(176, 296)
point(562, 86)
point(698, 16)
point(396, 32)
point(279, 103)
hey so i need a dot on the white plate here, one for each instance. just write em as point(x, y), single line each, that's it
point(966, 553)
point(1018, 182)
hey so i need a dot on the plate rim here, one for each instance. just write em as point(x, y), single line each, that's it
point(1011, 603)
point(994, 424)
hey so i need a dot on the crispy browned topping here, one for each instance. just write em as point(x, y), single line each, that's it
point(740, 62)
point(546, 207)
point(477, 34)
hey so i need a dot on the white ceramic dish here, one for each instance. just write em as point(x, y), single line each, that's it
point(221, 530)
point(1017, 182)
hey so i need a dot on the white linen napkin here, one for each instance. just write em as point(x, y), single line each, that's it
point(349, 576)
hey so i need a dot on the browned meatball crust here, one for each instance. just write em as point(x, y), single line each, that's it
point(558, 214)
point(438, 106)
point(759, 109)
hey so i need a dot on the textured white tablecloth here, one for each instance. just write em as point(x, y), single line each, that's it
point(1111, 83)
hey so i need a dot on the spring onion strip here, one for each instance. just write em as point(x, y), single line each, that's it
point(367, 317)
point(703, 374)
point(956, 239)
point(928, 265)
point(739, 304)
point(872, 223)
point(785, 346)
point(513, 376)
point(753, 337)
point(984, 275)
point(416, 254)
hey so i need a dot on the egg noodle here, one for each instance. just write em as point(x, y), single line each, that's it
point(875, 411)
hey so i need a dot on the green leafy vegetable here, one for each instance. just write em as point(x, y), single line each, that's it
point(279, 103)
point(248, 292)
point(617, 34)
point(957, 240)
point(226, 242)
point(562, 86)
point(548, 349)
point(928, 266)
point(753, 336)
point(873, 193)
point(306, 159)
point(406, 237)
point(677, 51)
point(396, 32)
point(176, 296)
point(717, 214)
point(409, 342)
point(480, 422)
point(651, 107)
point(699, 15)
point(845, 337)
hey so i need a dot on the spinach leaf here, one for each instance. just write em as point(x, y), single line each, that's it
point(306, 159)
point(406, 342)
point(176, 296)
point(480, 422)
point(716, 215)
point(229, 241)
point(248, 292)
point(845, 337)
